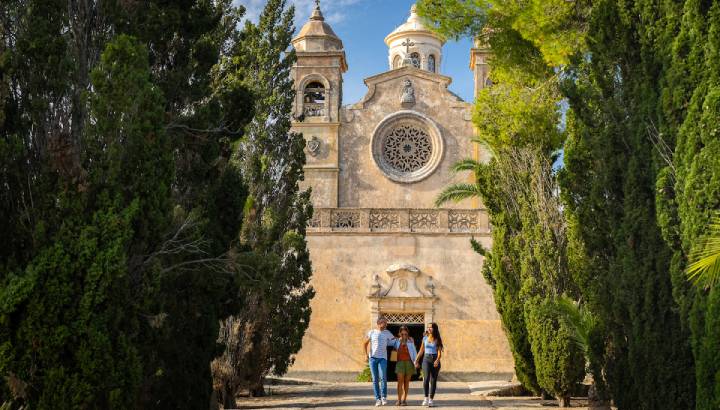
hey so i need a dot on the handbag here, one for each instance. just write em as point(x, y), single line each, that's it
point(393, 356)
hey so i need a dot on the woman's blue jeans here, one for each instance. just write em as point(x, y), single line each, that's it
point(378, 370)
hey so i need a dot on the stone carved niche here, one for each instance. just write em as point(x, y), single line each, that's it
point(404, 293)
point(407, 99)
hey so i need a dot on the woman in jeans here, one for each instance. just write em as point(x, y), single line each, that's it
point(404, 369)
point(431, 352)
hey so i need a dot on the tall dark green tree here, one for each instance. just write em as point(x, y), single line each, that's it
point(609, 186)
point(263, 338)
point(688, 187)
point(71, 310)
point(177, 249)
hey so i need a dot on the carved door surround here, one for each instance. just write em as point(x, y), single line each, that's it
point(404, 294)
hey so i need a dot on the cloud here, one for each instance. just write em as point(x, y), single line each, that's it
point(335, 11)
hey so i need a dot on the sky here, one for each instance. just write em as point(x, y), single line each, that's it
point(362, 26)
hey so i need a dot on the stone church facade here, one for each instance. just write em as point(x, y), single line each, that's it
point(379, 246)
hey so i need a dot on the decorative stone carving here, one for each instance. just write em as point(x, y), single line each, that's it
point(404, 318)
point(407, 146)
point(430, 286)
point(345, 220)
point(402, 301)
point(424, 220)
point(403, 282)
point(408, 94)
point(315, 221)
point(460, 221)
point(376, 286)
point(429, 221)
point(314, 146)
point(384, 220)
point(314, 110)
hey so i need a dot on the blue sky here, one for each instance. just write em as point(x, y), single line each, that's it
point(362, 25)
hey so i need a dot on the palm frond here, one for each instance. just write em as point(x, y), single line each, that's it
point(456, 193)
point(466, 165)
point(579, 320)
point(704, 268)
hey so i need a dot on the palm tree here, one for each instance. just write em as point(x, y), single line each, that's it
point(704, 269)
point(458, 192)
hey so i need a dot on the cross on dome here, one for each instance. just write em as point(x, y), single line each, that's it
point(407, 44)
point(426, 45)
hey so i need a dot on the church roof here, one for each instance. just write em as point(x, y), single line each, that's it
point(413, 25)
point(317, 27)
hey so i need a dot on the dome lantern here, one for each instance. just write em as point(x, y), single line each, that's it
point(413, 44)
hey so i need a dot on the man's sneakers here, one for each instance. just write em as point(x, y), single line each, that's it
point(378, 403)
point(384, 401)
point(425, 402)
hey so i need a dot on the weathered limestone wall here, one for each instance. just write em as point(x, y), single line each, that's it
point(363, 183)
point(344, 265)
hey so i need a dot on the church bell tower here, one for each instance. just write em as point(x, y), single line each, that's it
point(318, 82)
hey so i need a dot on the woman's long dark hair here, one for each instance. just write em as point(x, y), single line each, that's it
point(436, 336)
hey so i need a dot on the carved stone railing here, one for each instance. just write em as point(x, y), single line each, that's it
point(314, 110)
point(363, 220)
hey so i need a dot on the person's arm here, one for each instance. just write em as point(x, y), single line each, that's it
point(420, 353)
point(437, 361)
point(365, 347)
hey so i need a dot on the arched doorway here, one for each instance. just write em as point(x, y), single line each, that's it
point(408, 299)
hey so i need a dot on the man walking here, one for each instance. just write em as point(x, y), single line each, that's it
point(379, 339)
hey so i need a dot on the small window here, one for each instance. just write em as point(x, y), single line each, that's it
point(314, 99)
point(431, 63)
point(397, 62)
point(415, 58)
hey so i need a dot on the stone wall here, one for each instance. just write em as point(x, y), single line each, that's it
point(345, 265)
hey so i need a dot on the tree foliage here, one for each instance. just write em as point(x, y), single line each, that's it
point(609, 187)
point(517, 122)
point(607, 60)
point(688, 186)
point(272, 252)
point(120, 200)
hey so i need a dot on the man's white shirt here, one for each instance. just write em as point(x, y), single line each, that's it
point(379, 342)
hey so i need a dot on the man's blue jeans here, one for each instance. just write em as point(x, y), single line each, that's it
point(378, 370)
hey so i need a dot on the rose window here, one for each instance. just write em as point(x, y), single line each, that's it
point(407, 148)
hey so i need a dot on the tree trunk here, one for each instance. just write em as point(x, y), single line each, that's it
point(564, 401)
point(257, 389)
point(228, 398)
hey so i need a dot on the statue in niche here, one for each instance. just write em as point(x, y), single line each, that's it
point(408, 95)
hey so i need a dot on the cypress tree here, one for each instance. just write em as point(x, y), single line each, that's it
point(272, 249)
point(48, 52)
point(71, 311)
point(609, 187)
point(689, 186)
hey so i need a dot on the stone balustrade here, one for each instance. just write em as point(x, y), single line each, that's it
point(364, 220)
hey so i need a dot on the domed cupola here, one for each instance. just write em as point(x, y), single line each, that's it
point(413, 44)
point(317, 35)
